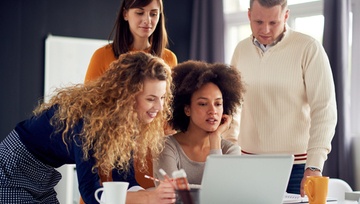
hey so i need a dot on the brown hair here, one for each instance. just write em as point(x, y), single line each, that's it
point(270, 3)
point(123, 39)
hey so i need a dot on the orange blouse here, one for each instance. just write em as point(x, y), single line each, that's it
point(103, 56)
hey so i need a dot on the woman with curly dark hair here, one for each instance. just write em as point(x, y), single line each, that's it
point(205, 98)
point(106, 123)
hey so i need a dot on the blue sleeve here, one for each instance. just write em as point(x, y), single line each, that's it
point(88, 180)
point(126, 176)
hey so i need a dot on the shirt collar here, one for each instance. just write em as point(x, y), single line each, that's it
point(267, 47)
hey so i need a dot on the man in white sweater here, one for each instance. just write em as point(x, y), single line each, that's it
point(289, 105)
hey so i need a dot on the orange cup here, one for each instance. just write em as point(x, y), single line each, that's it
point(316, 189)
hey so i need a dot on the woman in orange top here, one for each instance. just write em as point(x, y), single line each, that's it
point(140, 25)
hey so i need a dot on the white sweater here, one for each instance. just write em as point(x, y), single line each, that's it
point(289, 104)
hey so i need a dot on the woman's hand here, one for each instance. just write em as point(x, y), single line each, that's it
point(225, 124)
point(163, 194)
point(215, 137)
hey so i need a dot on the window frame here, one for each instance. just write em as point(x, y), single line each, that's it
point(355, 71)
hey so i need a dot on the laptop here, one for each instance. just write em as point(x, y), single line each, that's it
point(245, 179)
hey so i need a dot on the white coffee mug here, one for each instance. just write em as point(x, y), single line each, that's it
point(114, 192)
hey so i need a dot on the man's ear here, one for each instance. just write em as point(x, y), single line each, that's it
point(286, 15)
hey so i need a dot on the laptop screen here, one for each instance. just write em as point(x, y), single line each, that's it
point(245, 178)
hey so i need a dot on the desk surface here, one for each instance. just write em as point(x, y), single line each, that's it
point(295, 198)
point(339, 202)
point(343, 202)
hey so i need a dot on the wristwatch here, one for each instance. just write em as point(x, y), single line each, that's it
point(313, 168)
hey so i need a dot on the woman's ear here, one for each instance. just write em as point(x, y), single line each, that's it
point(125, 15)
point(187, 110)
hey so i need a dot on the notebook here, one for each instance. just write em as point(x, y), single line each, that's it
point(236, 179)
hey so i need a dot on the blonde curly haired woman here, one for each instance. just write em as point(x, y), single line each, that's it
point(106, 123)
point(140, 25)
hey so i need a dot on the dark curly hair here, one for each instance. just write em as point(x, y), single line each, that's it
point(191, 75)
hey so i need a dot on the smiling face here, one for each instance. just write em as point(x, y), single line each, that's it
point(267, 24)
point(151, 100)
point(143, 21)
point(206, 108)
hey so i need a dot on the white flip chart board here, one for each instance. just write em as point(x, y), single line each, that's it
point(66, 60)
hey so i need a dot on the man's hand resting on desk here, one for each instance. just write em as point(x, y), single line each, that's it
point(308, 172)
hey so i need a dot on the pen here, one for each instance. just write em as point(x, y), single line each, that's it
point(151, 178)
point(163, 173)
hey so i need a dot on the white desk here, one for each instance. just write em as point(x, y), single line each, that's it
point(295, 198)
point(338, 202)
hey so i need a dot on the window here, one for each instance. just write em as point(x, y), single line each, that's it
point(355, 72)
point(305, 16)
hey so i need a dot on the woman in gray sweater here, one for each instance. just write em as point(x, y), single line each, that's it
point(205, 97)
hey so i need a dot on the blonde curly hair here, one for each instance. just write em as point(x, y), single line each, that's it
point(111, 131)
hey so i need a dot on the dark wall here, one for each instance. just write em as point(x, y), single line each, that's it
point(24, 26)
point(178, 23)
